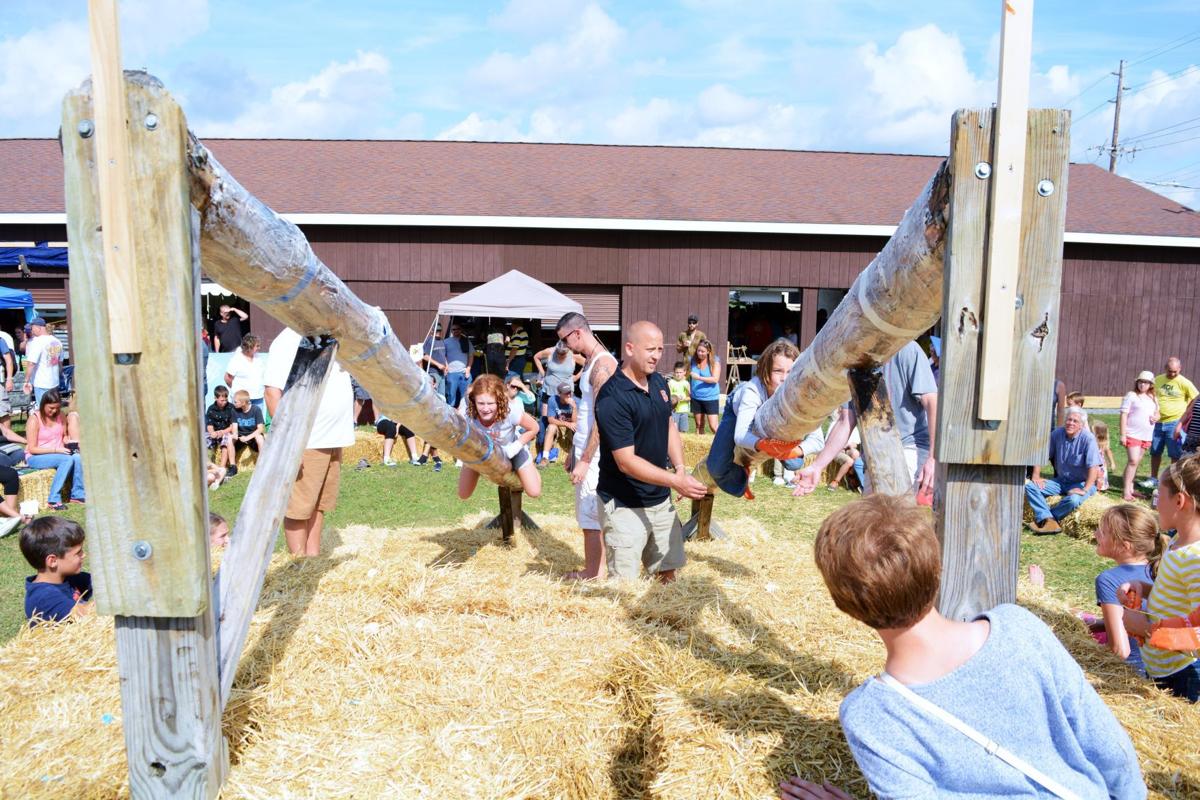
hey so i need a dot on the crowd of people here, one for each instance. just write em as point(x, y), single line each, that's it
point(617, 425)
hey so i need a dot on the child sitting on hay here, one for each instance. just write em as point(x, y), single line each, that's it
point(60, 589)
point(992, 707)
point(488, 404)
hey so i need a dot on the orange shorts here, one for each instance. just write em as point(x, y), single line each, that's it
point(316, 487)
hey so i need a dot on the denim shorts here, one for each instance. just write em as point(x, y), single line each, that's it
point(1164, 436)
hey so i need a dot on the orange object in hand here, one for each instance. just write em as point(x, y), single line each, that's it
point(777, 448)
point(1172, 638)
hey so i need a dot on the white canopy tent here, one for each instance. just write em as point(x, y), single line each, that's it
point(515, 295)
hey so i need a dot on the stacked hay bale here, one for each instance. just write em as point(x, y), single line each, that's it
point(1083, 521)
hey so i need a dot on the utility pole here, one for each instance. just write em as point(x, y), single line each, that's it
point(1112, 152)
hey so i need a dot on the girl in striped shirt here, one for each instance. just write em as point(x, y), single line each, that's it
point(1176, 588)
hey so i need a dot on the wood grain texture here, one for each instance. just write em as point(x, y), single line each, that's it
point(171, 711)
point(113, 170)
point(882, 448)
point(141, 421)
point(978, 514)
point(962, 438)
point(1007, 188)
point(240, 579)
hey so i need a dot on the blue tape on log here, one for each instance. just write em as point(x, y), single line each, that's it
point(310, 273)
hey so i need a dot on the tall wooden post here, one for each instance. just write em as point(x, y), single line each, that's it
point(143, 456)
point(982, 464)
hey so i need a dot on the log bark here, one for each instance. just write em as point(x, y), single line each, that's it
point(893, 301)
point(883, 451)
point(249, 249)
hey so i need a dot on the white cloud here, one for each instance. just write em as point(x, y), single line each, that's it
point(535, 17)
point(655, 122)
point(39, 67)
point(346, 99)
point(734, 58)
point(587, 46)
point(546, 124)
point(720, 105)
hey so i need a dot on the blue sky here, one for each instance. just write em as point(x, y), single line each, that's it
point(861, 75)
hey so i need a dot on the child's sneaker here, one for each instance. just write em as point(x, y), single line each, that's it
point(458, 463)
point(387, 462)
point(422, 461)
point(414, 462)
point(538, 459)
point(231, 471)
point(437, 465)
point(553, 454)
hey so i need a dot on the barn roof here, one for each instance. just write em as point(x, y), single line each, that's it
point(321, 180)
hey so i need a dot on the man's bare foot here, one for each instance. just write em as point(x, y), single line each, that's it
point(1036, 576)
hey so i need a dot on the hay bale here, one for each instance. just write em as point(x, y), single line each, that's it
point(368, 445)
point(1083, 522)
point(35, 485)
point(437, 663)
point(695, 447)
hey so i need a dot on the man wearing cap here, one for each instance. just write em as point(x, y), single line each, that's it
point(1077, 466)
point(690, 338)
point(1174, 393)
point(43, 360)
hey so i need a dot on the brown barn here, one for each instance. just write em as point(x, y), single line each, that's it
point(759, 237)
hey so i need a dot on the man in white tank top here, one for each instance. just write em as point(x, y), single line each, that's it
point(583, 463)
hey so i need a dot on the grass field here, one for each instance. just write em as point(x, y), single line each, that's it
point(406, 496)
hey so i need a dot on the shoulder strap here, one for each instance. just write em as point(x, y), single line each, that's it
point(989, 745)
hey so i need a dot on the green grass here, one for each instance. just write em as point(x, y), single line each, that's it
point(406, 496)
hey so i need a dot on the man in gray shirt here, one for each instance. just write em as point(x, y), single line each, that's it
point(913, 393)
point(1077, 465)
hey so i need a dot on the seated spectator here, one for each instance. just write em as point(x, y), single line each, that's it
point(1077, 465)
point(245, 372)
point(220, 428)
point(1002, 680)
point(10, 515)
point(560, 415)
point(53, 444)
point(61, 589)
point(389, 430)
point(249, 420)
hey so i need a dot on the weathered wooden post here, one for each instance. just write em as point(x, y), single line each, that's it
point(883, 452)
point(143, 456)
point(982, 463)
point(511, 516)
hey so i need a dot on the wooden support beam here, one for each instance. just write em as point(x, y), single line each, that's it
point(511, 516)
point(981, 467)
point(700, 525)
point(142, 452)
point(239, 582)
point(1007, 185)
point(113, 173)
point(262, 257)
point(883, 452)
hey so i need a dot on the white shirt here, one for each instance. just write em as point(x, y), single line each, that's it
point(45, 354)
point(247, 374)
point(334, 425)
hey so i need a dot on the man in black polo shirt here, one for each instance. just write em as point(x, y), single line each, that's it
point(633, 414)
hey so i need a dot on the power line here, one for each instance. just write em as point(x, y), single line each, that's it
point(1174, 44)
point(1160, 131)
point(1165, 79)
point(1169, 144)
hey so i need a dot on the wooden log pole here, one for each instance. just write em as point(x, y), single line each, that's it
point(894, 300)
point(264, 258)
point(239, 582)
point(142, 452)
point(982, 466)
point(883, 451)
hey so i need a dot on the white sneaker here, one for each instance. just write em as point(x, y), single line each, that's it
point(8, 525)
point(779, 481)
point(458, 463)
point(387, 462)
point(789, 476)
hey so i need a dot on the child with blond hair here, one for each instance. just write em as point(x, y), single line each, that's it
point(1128, 535)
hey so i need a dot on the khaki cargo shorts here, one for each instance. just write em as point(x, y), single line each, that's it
point(316, 487)
point(650, 537)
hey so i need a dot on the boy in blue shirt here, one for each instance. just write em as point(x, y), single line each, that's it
point(1004, 674)
point(60, 589)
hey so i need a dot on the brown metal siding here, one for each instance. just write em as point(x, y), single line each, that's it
point(1126, 309)
point(668, 308)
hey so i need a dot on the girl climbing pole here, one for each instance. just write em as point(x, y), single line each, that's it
point(488, 404)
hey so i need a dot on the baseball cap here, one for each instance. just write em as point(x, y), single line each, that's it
point(1146, 375)
point(565, 388)
point(693, 318)
point(38, 321)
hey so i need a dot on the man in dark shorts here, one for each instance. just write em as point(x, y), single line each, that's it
point(633, 414)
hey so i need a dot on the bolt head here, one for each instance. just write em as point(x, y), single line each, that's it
point(142, 550)
point(1045, 187)
point(151, 121)
point(983, 170)
point(124, 358)
point(86, 128)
